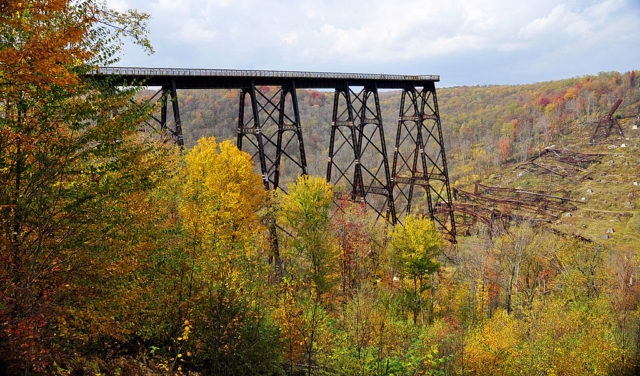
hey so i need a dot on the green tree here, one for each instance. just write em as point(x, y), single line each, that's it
point(305, 210)
point(311, 254)
point(416, 244)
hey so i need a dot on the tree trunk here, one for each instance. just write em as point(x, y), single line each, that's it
point(433, 292)
point(414, 309)
point(517, 281)
point(509, 290)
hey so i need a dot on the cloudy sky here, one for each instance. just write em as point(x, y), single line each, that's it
point(466, 42)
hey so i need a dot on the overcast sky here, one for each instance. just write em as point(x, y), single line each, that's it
point(466, 42)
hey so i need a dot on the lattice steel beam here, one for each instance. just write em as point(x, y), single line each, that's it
point(169, 131)
point(343, 145)
point(419, 160)
point(271, 128)
point(357, 151)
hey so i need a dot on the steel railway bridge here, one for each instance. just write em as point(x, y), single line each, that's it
point(269, 129)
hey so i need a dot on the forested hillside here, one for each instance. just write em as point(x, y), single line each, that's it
point(124, 255)
point(483, 126)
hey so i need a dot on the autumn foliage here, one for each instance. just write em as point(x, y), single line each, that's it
point(126, 256)
point(61, 151)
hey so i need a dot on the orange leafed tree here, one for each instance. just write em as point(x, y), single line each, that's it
point(65, 147)
point(505, 144)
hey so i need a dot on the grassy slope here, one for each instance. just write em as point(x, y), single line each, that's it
point(614, 202)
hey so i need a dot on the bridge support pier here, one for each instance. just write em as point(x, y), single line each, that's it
point(357, 150)
point(270, 123)
point(167, 133)
point(419, 160)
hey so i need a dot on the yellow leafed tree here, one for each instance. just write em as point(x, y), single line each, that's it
point(221, 194)
point(416, 243)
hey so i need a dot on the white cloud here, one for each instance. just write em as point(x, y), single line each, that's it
point(170, 4)
point(391, 30)
point(193, 32)
point(119, 5)
point(544, 24)
point(389, 35)
point(289, 37)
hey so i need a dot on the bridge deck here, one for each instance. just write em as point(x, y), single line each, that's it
point(236, 79)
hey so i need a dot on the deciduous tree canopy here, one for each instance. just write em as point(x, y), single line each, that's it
point(122, 255)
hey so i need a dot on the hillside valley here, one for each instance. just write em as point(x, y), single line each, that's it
point(488, 132)
point(483, 126)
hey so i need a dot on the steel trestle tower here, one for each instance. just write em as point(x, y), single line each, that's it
point(269, 129)
point(419, 160)
point(359, 157)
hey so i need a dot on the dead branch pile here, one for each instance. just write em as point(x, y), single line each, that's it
point(564, 163)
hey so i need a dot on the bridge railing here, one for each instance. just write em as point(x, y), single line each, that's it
point(182, 72)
